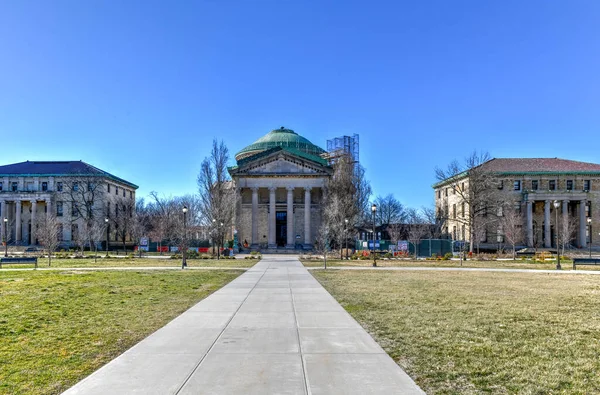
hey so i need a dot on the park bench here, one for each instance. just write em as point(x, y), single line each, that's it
point(18, 260)
point(585, 261)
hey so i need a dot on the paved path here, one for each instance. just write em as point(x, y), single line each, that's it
point(273, 330)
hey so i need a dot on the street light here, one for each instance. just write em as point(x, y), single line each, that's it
point(346, 236)
point(183, 254)
point(374, 210)
point(220, 240)
point(556, 205)
point(5, 238)
point(589, 221)
point(106, 222)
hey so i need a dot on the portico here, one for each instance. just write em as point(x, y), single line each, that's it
point(568, 203)
point(22, 212)
point(280, 181)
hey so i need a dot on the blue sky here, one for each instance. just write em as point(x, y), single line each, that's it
point(140, 88)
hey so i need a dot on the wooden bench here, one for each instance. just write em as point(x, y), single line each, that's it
point(17, 260)
point(585, 261)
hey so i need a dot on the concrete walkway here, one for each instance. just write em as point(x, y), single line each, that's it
point(273, 330)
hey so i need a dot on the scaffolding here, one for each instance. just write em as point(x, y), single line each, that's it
point(343, 145)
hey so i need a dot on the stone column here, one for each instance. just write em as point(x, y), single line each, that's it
point(529, 224)
point(582, 224)
point(291, 235)
point(254, 217)
point(547, 236)
point(3, 214)
point(33, 224)
point(49, 207)
point(307, 235)
point(272, 219)
point(18, 223)
point(565, 217)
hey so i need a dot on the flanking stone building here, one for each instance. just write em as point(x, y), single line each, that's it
point(531, 186)
point(32, 189)
point(281, 180)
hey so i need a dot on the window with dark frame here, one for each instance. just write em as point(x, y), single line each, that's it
point(59, 209)
point(59, 186)
point(517, 185)
point(552, 185)
point(534, 185)
point(569, 185)
point(0, 185)
point(587, 185)
point(44, 186)
point(14, 187)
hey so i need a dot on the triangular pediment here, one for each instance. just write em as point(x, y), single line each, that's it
point(282, 162)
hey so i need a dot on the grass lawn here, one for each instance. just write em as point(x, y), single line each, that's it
point(58, 327)
point(450, 263)
point(481, 332)
point(141, 262)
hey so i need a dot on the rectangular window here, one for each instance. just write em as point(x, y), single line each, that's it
point(462, 186)
point(463, 232)
point(534, 185)
point(59, 236)
point(131, 194)
point(569, 185)
point(108, 187)
point(518, 207)
point(44, 186)
point(0, 185)
point(454, 211)
point(587, 184)
point(446, 191)
point(517, 185)
point(14, 186)
point(500, 211)
point(439, 193)
point(108, 209)
point(588, 209)
point(123, 193)
point(75, 186)
point(463, 211)
point(59, 186)
point(59, 209)
point(501, 184)
point(116, 190)
point(454, 234)
point(552, 185)
point(74, 209)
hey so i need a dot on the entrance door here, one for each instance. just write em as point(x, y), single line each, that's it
point(281, 228)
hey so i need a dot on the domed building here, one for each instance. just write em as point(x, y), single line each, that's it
point(281, 179)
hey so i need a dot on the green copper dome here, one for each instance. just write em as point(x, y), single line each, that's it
point(284, 138)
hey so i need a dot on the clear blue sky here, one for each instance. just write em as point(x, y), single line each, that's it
point(140, 88)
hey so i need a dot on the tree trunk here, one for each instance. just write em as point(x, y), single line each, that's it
point(514, 252)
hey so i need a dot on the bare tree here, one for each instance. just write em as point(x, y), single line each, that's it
point(86, 199)
point(418, 228)
point(217, 197)
point(568, 232)
point(346, 199)
point(124, 220)
point(396, 231)
point(389, 210)
point(512, 227)
point(48, 233)
point(476, 187)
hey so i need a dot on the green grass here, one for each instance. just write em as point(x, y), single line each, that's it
point(518, 264)
point(58, 327)
point(137, 262)
point(481, 332)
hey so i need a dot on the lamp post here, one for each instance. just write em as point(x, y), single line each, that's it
point(556, 205)
point(106, 222)
point(220, 240)
point(5, 238)
point(346, 236)
point(213, 234)
point(374, 210)
point(183, 254)
point(589, 221)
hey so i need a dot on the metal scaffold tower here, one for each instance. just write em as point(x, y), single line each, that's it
point(343, 145)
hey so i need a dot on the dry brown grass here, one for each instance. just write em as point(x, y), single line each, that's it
point(481, 332)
